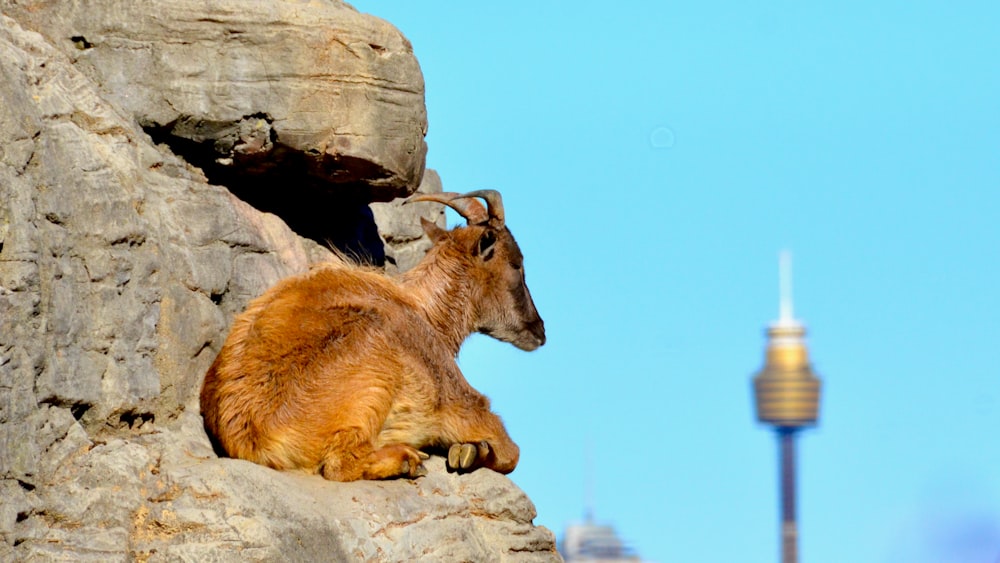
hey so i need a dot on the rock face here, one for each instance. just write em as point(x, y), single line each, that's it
point(122, 265)
point(306, 109)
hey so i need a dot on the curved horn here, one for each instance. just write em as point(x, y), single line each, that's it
point(466, 206)
point(494, 205)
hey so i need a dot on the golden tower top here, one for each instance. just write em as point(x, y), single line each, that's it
point(786, 389)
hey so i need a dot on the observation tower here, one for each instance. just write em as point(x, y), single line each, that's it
point(786, 391)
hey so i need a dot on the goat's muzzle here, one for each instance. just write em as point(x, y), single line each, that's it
point(532, 337)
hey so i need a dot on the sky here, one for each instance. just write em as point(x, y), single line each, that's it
point(655, 158)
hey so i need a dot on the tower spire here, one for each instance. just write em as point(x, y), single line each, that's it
point(786, 313)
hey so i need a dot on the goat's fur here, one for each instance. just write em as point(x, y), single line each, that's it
point(347, 372)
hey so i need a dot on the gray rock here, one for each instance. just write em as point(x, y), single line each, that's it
point(399, 226)
point(121, 268)
point(256, 87)
point(235, 510)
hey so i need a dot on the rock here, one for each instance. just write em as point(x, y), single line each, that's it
point(285, 102)
point(121, 267)
point(232, 509)
point(115, 251)
point(399, 226)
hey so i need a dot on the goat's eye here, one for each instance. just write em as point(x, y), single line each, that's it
point(515, 265)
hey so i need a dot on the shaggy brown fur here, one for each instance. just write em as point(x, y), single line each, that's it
point(346, 372)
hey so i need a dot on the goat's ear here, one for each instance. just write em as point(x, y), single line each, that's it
point(434, 232)
point(486, 245)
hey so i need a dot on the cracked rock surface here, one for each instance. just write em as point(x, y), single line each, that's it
point(122, 265)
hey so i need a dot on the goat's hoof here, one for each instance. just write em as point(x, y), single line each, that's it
point(465, 456)
point(412, 463)
point(413, 469)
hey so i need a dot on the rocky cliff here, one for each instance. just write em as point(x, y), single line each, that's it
point(161, 163)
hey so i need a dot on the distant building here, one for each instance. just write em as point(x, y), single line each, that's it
point(593, 543)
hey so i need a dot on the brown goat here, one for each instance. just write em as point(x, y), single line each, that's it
point(349, 373)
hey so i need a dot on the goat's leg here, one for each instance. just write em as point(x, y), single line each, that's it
point(350, 458)
point(477, 438)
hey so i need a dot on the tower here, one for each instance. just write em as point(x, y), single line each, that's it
point(787, 393)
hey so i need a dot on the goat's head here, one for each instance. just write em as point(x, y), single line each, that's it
point(502, 303)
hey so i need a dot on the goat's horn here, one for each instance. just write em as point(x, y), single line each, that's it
point(494, 204)
point(466, 206)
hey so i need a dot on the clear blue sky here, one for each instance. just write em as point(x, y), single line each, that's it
point(654, 158)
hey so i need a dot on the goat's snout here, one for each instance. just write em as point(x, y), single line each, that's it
point(538, 329)
point(533, 337)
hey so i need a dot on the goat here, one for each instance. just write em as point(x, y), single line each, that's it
point(346, 372)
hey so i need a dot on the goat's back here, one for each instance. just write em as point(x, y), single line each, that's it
point(298, 352)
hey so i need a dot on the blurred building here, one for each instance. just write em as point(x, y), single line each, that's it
point(594, 543)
